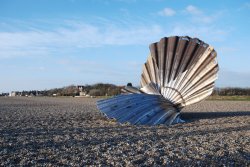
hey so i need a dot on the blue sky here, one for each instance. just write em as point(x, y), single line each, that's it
point(46, 44)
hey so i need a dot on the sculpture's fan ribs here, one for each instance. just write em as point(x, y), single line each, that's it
point(179, 71)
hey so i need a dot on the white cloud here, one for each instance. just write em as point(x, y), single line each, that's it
point(204, 32)
point(196, 15)
point(167, 12)
point(203, 19)
point(193, 10)
point(74, 35)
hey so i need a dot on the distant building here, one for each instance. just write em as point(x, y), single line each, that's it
point(13, 93)
point(4, 94)
point(82, 93)
point(81, 90)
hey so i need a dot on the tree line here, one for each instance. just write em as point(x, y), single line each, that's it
point(102, 89)
point(99, 89)
point(229, 91)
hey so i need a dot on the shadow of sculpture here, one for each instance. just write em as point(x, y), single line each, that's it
point(191, 116)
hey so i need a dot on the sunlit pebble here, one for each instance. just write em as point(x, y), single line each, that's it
point(72, 132)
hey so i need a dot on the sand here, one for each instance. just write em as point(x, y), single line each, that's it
point(71, 131)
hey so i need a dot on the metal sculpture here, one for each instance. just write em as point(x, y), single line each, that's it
point(179, 71)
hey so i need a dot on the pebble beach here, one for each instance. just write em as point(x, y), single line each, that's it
point(54, 131)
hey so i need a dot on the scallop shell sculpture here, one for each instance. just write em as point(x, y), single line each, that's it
point(179, 71)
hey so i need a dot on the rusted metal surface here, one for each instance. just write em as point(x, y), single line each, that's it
point(179, 71)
